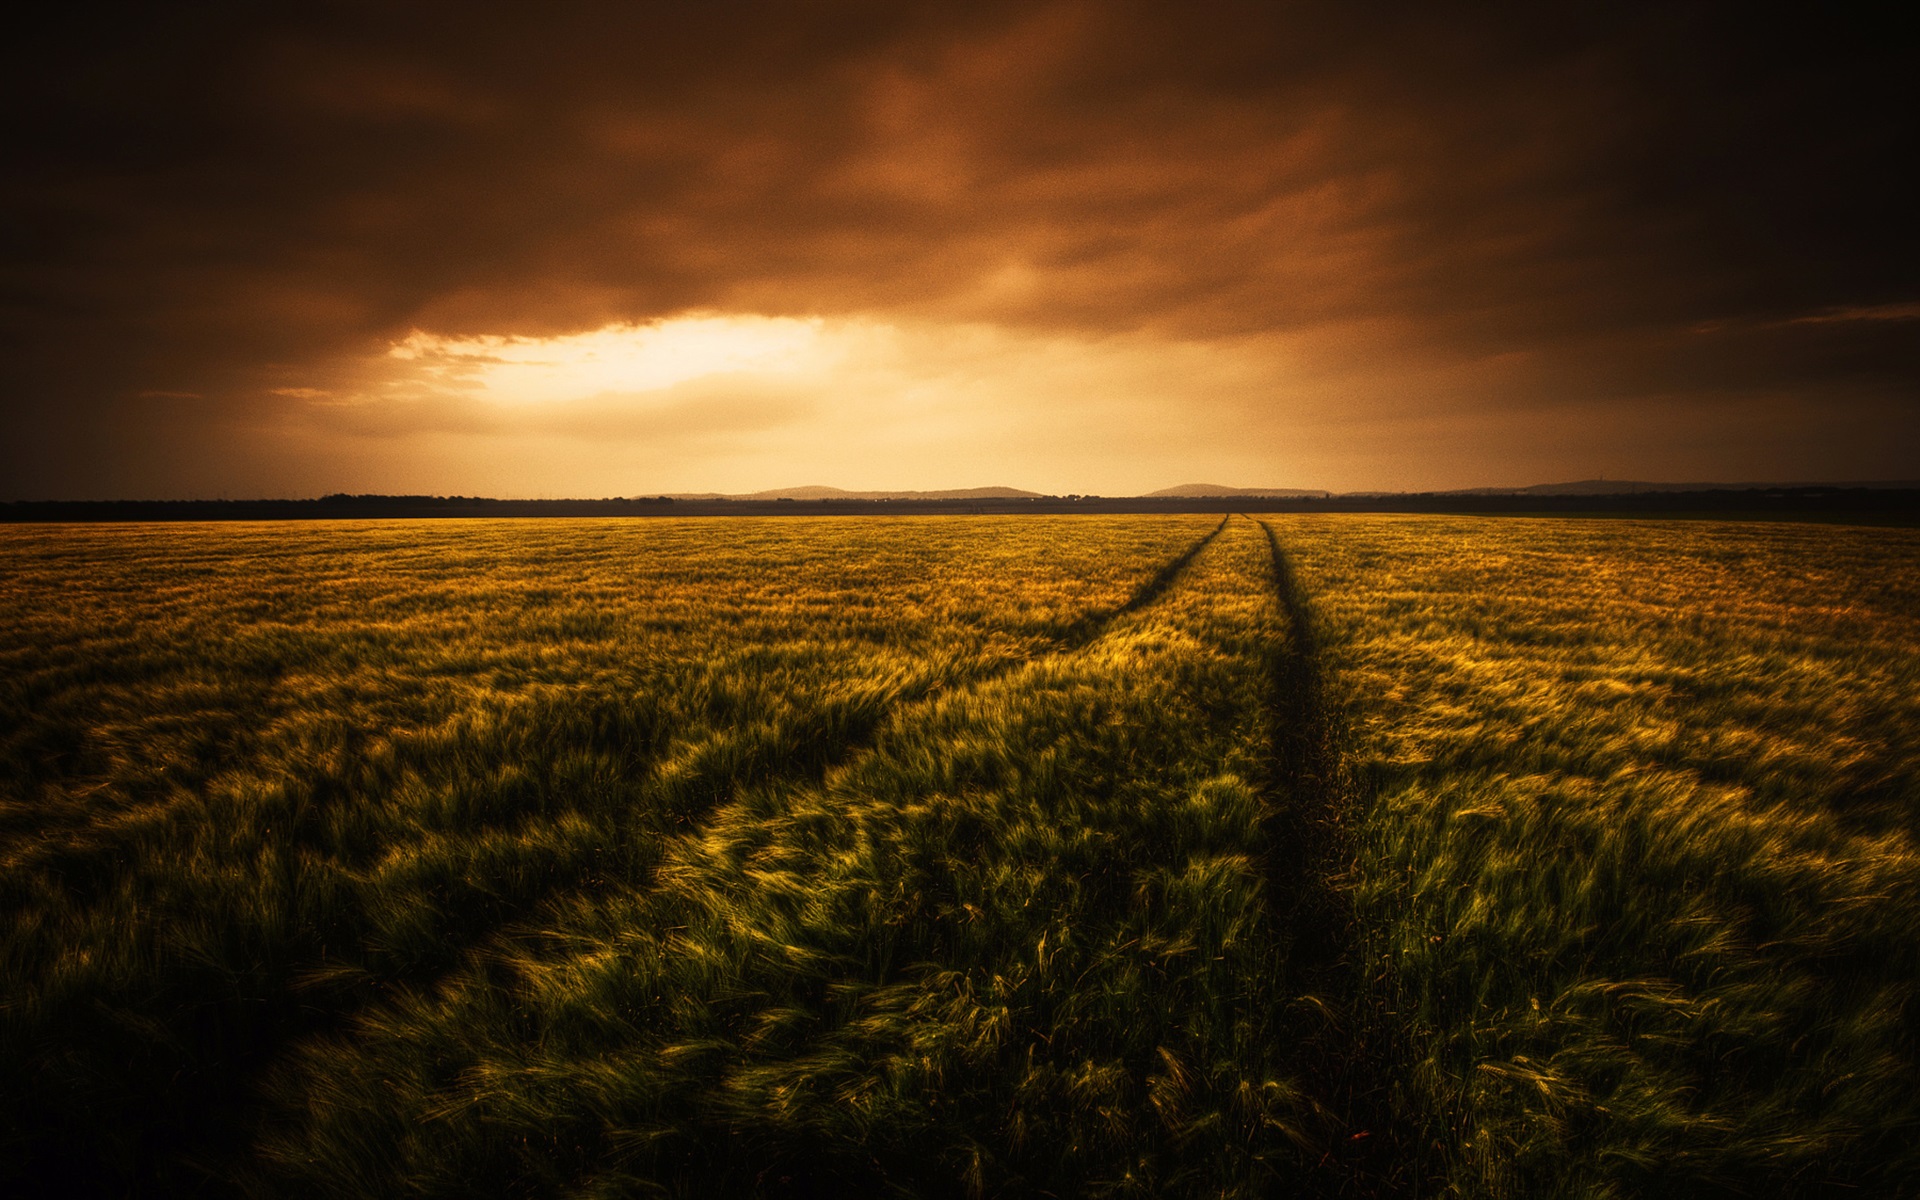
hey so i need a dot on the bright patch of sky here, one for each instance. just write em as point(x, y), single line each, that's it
point(614, 359)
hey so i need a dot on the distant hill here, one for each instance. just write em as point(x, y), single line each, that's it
point(1211, 490)
point(818, 492)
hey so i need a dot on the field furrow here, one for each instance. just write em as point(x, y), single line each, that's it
point(1371, 1148)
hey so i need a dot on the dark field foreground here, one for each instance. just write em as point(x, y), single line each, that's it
point(1342, 856)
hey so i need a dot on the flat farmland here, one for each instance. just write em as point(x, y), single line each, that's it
point(1149, 855)
point(1636, 875)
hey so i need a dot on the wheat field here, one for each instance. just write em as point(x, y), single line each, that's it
point(1156, 855)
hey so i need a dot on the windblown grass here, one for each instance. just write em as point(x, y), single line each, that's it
point(1062, 856)
point(1021, 941)
point(528, 855)
point(1638, 877)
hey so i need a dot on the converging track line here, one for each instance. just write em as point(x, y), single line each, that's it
point(1316, 804)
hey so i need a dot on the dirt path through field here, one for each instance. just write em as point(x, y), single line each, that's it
point(1020, 938)
point(688, 785)
point(1317, 800)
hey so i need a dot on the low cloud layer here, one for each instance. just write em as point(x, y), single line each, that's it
point(1090, 247)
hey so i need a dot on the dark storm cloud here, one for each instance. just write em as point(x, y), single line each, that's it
point(1652, 202)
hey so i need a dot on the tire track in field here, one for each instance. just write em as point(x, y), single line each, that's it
point(688, 785)
point(1089, 628)
point(785, 1157)
point(1306, 753)
point(699, 798)
point(1370, 1151)
point(209, 1142)
point(1077, 636)
point(1074, 638)
point(684, 789)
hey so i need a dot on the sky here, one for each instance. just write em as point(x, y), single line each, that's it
point(604, 249)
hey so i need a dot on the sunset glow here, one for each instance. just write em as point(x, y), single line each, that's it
point(1056, 245)
point(620, 358)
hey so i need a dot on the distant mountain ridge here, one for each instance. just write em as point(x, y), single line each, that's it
point(1878, 503)
point(1212, 490)
point(819, 492)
